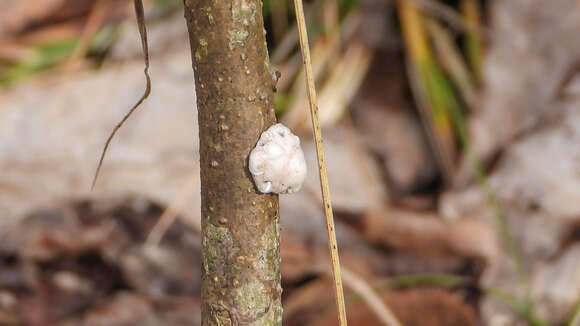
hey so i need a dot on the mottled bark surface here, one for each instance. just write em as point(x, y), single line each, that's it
point(234, 86)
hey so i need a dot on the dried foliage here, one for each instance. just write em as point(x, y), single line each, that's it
point(420, 233)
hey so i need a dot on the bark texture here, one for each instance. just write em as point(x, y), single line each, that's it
point(234, 86)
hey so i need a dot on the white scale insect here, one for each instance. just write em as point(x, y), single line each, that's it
point(277, 162)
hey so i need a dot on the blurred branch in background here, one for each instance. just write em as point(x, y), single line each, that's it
point(279, 16)
point(63, 34)
point(323, 50)
point(452, 61)
point(330, 16)
point(430, 87)
point(449, 15)
point(339, 91)
point(575, 320)
point(167, 219)
point(523, 308)
point(93, 24)
point(442, 112)
point(330, 20)
point(48, 54)
point(365, 291)
point(474, 44)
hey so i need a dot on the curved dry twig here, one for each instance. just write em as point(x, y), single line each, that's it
point(140, 13)
point(374, 302)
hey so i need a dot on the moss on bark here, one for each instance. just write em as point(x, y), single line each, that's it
point(234, 87)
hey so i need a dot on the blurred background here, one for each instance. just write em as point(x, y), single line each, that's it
point(452, 134)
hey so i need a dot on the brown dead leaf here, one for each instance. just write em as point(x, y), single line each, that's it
point(556, 286)
point(429, 235)
point(60, 263)
point(431, 307)
point(389, 127)
point(534, 50)
point(353, 175)
point(20, 17)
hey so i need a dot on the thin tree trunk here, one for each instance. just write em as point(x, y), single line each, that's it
point(240, 232)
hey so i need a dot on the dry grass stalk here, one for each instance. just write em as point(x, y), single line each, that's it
point(332, 243)
point(374, 302)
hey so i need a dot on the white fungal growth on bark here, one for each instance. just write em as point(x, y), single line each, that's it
point(277, 162)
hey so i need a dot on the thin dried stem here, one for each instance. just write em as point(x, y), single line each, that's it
point(285, 47)
point(474, 42)
point(575, 321)
point(323, 50)
point(367, 293)
point(279, 12)
point(422, 69)
point(94, 22)
point(450, 16)
point(332, 243)
point(452, 61)
point(170, 214)
point(330, 15)
point(140, 13)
